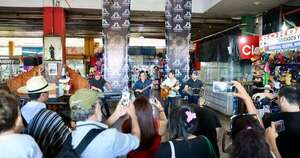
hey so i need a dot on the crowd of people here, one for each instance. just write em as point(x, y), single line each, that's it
point(143, 127)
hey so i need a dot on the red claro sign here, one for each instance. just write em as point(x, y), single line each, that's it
point(247, 46)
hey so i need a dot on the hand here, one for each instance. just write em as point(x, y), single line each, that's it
point(241, 91)
point(131, 110)
point(271, 134)
point(120, 110)
point(158, 104)
point(99, 90)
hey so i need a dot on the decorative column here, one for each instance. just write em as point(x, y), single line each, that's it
point(178, 25)
point(115, 23)
point(11, 47)
point(54, 42)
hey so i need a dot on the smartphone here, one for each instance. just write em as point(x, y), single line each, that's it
point(125, 98)
point(279, 125)
point(223, 87)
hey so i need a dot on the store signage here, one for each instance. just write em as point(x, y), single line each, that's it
point(247, 46)
point(32, 51)
point(277, 41)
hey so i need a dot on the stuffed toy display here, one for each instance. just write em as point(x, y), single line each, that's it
point(280, 67)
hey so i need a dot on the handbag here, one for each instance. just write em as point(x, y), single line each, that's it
point(210, 147)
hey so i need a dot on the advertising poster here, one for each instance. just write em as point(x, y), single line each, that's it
point(52, 48)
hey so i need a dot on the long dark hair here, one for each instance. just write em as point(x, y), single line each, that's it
point(146, 121)
point(179, 127)
point(249, 138)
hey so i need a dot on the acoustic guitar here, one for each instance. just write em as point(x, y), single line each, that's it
point(138, 94)
point(166, 91)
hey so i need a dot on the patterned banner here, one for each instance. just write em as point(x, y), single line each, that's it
point(115, 23)
point(178, 25)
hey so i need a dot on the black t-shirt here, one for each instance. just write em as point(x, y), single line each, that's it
point(194, 84)
point(207, 123)
point(288, 140)
point(193, 148)
point(98, 83)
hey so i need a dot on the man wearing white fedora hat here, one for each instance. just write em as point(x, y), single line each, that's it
point(45, 126)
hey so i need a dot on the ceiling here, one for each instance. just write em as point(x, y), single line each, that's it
point(234, 8)
point(28, 22)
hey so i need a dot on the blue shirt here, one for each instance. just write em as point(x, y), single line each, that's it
point(141, 85)
point(110, 143)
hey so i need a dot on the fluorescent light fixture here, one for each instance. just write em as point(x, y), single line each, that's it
point(284, 27)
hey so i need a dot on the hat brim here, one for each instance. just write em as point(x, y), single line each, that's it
point(24, 90)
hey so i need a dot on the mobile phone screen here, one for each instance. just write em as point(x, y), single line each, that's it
point(279, 125)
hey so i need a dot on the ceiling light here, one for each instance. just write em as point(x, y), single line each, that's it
point(284, 27)
point(257, 3)
point(243, 40)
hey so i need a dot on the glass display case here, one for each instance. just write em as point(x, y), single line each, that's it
point(223, 71)
point(8, 68)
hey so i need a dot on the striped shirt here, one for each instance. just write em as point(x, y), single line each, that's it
point(48, 130)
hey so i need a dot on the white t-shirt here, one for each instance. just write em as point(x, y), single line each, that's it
point(19, 146)
point(170, 83)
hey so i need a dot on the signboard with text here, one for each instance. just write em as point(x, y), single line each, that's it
point(277, 41)
point(247, 46)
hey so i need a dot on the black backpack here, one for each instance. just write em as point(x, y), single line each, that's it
point(68, 151)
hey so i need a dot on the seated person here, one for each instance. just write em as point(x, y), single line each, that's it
point(98, 83)
point(110, 143)
point(183, 143)
point(208, 124)
point(152, 128)
point(13, 144)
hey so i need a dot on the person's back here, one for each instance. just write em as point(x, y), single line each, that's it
point(45, 126)
point(287, 140)
point(49, 131)
point(110, 143)
point(151, 128)
point(19, 146)
point(289, 137)
point(248, 138)
point(183, 143)
point(207, 125)
point(13, 144)
point(193, 148)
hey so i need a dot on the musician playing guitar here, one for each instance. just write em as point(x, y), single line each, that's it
point(172, 84)
point(192, 88)
point(143, 86)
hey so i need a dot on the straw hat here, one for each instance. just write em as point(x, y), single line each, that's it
point(37, 84)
